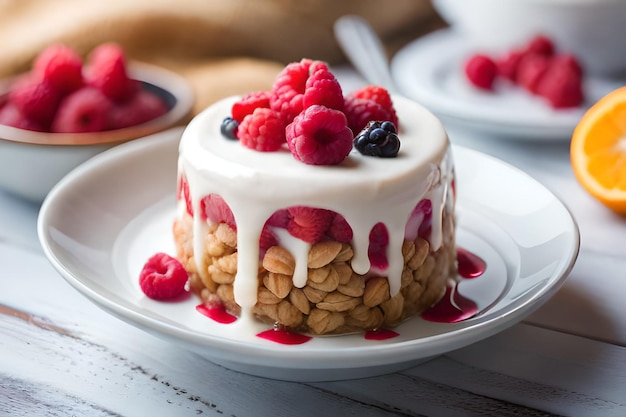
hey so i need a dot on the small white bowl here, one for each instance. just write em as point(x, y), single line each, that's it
point(593, 30)
point(31, 163)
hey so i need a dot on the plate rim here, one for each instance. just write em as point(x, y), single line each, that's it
point(386, 353)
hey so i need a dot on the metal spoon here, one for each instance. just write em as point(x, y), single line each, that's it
point(364, 50)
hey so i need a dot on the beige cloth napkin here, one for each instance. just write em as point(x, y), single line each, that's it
point(222, 47)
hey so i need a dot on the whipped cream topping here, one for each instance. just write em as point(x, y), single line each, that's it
point(365, 190)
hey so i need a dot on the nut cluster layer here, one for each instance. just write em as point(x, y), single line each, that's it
point(335, 299)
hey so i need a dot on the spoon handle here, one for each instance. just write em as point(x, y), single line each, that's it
point(364, 49)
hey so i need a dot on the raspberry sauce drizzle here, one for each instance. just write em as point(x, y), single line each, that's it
point(283, 336)
point(454, 307)
point(380, 334)
point(469, 264)
point(217, 313)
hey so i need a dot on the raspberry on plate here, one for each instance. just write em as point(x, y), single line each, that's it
point(263, 130)
point(531, 69)
point(481, 71)
point(163, 277)
point(561, 85)
point(319, 136)
point(140, 108)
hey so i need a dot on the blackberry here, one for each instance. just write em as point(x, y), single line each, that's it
point(228, 128)
point(378, 139)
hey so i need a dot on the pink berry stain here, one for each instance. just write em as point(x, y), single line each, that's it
point(217, 313)
point(381, 334)
point(454, 307)
point(284, 337)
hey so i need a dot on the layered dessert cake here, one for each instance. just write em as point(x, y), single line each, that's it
point(319, 212)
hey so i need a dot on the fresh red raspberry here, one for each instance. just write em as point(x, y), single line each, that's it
point(309, 224)
point(107, 72)
point(61, 67)
point(36, 99)
point(531, 69)
point(381, 96)
point(248, 103)
point(163, 277)
point(567, 61)
point(10, 115)
point(85, 110)
point(360, 111)
point(263, 130)
point(214, 208)
point(287, 95)
point(322, 88)
point(339, 229)
point(541, 45)
point(319, 136)
point(507, 65)
point(377, 250)
point(481, 71)
point(280, 218)
point(561, 85)
point(142, 107)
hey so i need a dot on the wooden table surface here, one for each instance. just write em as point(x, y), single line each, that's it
point(60, 355)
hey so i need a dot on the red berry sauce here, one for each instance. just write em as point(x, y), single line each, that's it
point(469, 265)
point(454, 307)
point(217, 313)
point(284, 337)
point(380, 334)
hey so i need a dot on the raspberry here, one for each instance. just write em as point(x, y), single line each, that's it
point(381, 96)
point(287, 95)
point(377, 250)
point(263, 130)
point(107, 72)
point(280, 218)
point(36, 99)
point(85, 110)
point(507, 66)
point(360, 112)
point(339, 229)
point(541, 45)
point(267, 240)
point(142, 107)
point(481, 71)
point(61, 67)
point(248, 103)
point(163, 277)
point(531, 69)
point(562, 84)
point(319, 136)
point(322, 88)
point(214, 208)
point(309, 224)
point(10, 115)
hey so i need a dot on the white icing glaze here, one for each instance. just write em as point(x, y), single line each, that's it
point(365, 190)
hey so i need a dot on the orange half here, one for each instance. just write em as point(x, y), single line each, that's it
point(598, 150)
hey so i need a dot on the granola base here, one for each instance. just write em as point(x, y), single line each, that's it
point(335, 299)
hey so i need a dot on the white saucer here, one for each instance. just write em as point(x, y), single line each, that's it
point(430, 71)
point(102, 221)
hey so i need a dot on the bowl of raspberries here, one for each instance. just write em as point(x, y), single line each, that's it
point(68, 108)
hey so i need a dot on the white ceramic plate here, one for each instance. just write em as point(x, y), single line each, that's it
point(102, 221)
point(430, 71)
